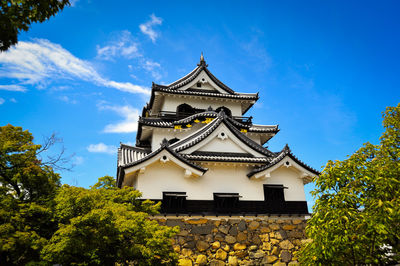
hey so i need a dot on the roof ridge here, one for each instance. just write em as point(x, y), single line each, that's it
point(286, 151)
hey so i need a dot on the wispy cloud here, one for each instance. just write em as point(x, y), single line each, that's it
point(102, 148)
point(41, 61)
point(153, 68)
point(2, 101)
point(123, 45)
point(147, 27)
point(12, 88)
point(128, 124)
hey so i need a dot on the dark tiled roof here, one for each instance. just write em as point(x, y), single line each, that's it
point(127, 154)
point(158, 122)
point(164, 146)
point(241, 96)
point(204, 132)
point(193, 74)
point(279, 157)
point(219, 157)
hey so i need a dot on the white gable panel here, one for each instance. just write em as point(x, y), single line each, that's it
point(222, 140)
point(206, 81)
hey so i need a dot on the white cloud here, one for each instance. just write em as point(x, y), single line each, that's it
point(128, 124)
point(2, 101)
point(12, 87)
point(147, 27)
point(13, 100)
point(102, 148)
point(41, 61)
point(151, 67)
point(122, 46)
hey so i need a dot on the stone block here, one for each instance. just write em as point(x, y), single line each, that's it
point(266, 246)
point(219, 237)
point(241, 236)
point(288, 227)
point(216, 245)
point(265, 230)
point(286, 244)
point(233, 231)
point(175, 222)
point(201, 260)
point(226, 248)
point(275, 251)
point(223, 229)
point(297, 221)
point(257, 255)
point(242, 225)
point(274, 227)
point(217, 263)
point(254, 225)
point(233, 261)
point(286, 256)
point(202, 230)
point(269, 259)
point(221, 255)
point(202, 245)
point(253, 247)
point(185, 262)
point(239, 246)
point(186, 252)
point(230, 239)
point(197, 221)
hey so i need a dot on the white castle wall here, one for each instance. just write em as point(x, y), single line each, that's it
point(219, 178)
point(170, 104)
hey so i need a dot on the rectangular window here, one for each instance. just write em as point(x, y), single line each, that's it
point(226, 202)
point(274, 197)
point(174, 202)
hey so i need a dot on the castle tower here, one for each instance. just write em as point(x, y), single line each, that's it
point(197, 153)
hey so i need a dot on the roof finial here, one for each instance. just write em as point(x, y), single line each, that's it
point(202, 61)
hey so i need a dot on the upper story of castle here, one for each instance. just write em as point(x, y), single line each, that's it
point(201, 96)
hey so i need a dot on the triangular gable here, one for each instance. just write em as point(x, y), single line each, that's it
point(162, 155)
point(203, 82)
point(222, 139)
point(285, 159)
point(220, 128)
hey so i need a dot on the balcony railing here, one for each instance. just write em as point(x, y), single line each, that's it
point(173, 116)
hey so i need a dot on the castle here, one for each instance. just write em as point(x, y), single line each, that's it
point(197, 153)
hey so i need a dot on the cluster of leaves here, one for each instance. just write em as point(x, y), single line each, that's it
point(356, 216)
point(101, 226)
point(42, 222)
point(17, 15)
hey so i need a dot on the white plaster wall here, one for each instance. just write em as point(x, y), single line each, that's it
point(219, 145)
point(160, 133)
point(291, 179)
point(219, 178)
point(171, 102)
point(254, 137)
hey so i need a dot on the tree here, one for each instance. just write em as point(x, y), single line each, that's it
point(105, 225)
point(27, 188)
point(18, 15)
point(23, 173)
point(356, 216)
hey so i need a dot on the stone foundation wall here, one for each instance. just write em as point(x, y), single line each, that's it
point(237, 241)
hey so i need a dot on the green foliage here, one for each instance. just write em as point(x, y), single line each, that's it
point(17, 15)
point(101, 226)
point(356, 216)
point(22, 173)
point(27, 188)
point(107, 182)
point(42, 223)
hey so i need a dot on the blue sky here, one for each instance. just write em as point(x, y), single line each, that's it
point(325, 71)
